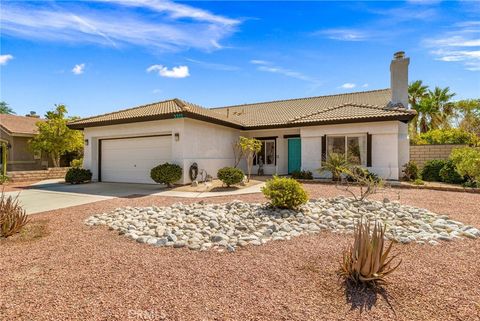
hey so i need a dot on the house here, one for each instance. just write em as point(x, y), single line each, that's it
point(15, 132)
point(370, 127)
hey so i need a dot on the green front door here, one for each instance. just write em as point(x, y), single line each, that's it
point(294, 154)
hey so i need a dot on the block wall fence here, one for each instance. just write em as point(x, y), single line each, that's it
point(423, 153)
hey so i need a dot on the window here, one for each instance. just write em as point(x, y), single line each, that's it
point(353, 147)
point(267, 153)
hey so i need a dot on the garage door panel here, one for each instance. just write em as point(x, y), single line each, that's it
point(131, 159)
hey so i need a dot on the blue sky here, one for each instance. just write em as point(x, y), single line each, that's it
point(100, 56)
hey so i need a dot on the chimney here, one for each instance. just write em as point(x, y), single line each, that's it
point(399, 79)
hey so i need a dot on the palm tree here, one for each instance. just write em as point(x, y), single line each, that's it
point(5, 109)
point(416, 93)
point(442, 106)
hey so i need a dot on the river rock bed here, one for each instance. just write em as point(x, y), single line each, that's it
point(201, 226)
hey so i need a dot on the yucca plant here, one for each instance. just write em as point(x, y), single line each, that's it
point(366, 263)
point(12, 216)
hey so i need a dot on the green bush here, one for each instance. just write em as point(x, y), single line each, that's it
point(431, 170)
point(302, 174)
point(410, 171)
point(166, 174)
point(418, 181)
point(3, 179)
point(449, 173)
point(357, 173)
point(230, 175)
point(285, 192)
point(77, 163)
point(446, 136)
point(467, 162)
point(78, 175)
point(335, 164)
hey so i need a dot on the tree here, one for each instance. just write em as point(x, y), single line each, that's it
point(250, 147)
point(467, 113)
point(434, 108)
point(5, 109)
point(54, 137)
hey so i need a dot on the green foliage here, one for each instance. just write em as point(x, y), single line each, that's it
point(449, 174)
point(78, 175)
point(3, 179)
point(471, 184)
point(357, 173)
point(54, 137)
point(249, 147)
point(445, 136)
point(302, 174)
point(418, 181)
point(335, 164)
point(468, 113)
point(166, 173)
point(431, 170)
point(367, 182)
point(5, 109)
point(77, 163)
point(285, 192)
point(467, 162)
point(410, 171)
point(230, 175)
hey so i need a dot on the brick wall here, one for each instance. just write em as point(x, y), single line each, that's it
point(28, 176)
point(422, 153)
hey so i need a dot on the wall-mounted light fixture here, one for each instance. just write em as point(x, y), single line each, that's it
point(86, 142)
point(177, 137)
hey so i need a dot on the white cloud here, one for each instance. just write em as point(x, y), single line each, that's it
point(267, 66)
point(175, 72)
point(156, 91)
point(259, 62)
point(166, 26)
point(346, 34)
point(461, 44)
point(365, 85)
point(78, 69)
point(5, 58)
point(348, 85)
point(213, 65)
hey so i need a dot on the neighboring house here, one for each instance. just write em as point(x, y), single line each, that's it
point(369, 127)
point(15, 132)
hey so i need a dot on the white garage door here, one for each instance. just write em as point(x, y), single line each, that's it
point(129, 160)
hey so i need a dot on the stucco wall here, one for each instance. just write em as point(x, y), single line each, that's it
point(388, 145)
point(93, 134)
point(420, 154)
point(19, 156)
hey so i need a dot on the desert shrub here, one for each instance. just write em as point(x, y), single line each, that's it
point(3, 179)
point(78, 175)
point(166, 173)
point(410, 171)
point(12, 216)
point(366, 182)
point(446, 136)
point(431, 170)
point(335, 164)
point(302, 174)
point(77, 163)
point(285, 192)
point(449, 173)
point(471, 184)
point(230, 175)
point(418, 181)
point(366, 262)
point(467, 162)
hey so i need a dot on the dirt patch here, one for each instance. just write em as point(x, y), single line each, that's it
point(215, 186)
point(33, 231)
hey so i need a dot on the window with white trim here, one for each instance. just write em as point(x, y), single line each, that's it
point(267, 153)
point(354, 147)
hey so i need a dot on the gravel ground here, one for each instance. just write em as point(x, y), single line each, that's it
point(77, 272)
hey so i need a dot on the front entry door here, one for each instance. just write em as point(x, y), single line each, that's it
point(294, 154)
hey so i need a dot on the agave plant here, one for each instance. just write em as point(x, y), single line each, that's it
point(366, 262)
point(12, 216)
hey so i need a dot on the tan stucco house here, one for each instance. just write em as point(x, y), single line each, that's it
point(15, 132)
point(369, 126)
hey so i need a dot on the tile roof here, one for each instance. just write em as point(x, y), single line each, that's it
point(367, 105)
point(22, 125)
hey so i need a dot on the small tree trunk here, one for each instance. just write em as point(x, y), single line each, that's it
point(55, 160)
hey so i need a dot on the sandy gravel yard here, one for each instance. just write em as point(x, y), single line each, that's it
point(119, 266)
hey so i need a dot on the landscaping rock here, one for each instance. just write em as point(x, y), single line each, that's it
point(202, 226)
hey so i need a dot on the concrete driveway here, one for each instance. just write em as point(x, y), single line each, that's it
point(54, 194)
